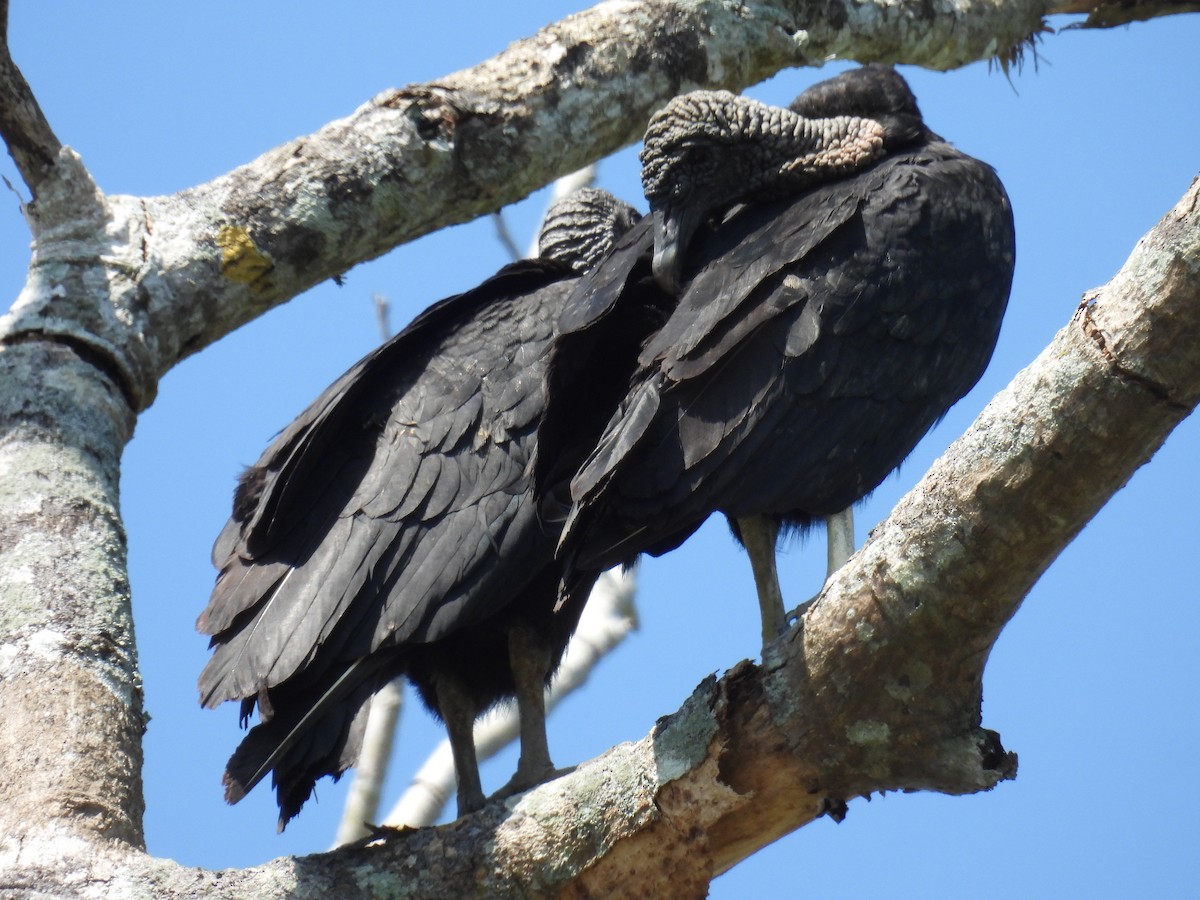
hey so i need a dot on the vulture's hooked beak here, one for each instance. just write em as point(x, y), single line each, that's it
point(673, 229)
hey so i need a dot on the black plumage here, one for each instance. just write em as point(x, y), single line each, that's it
point(391, 529)
point(817, 337)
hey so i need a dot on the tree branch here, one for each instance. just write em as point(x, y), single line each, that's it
point(1123, 12)
point(31, 141)
point(194, 266)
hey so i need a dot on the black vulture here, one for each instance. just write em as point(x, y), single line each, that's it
point(817, 337)
point(391, 529)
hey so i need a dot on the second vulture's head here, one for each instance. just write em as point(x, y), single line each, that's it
point(707, 150)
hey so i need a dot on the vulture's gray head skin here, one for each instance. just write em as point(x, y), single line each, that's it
point(581, 228)
point(707, 150)
point(875, 92)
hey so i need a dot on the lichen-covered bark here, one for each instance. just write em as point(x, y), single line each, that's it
point(70, 698)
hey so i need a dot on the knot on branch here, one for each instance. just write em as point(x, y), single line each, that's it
point(1127, 320)
point(433, 114)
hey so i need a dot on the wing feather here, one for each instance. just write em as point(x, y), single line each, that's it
point(370, 493)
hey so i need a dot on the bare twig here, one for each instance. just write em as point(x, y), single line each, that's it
point(505, 235)
point(31, 141)
point(383, 310)
point(362, 800)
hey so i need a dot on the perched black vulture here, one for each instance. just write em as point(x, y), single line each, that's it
point(391, 528)
point(816, 339)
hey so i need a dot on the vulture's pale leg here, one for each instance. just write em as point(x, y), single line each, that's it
point(529, 656)
point(839, 547)
point(758, 536)
point(839, 530)
point(458, 712)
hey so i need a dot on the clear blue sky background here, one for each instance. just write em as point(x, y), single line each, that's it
point(1093, 683)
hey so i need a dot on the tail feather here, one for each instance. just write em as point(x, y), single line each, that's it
point(304, 741)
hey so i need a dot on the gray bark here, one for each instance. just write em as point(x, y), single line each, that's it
point(120, 289)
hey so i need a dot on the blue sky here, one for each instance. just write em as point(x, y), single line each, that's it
point(1093, 683)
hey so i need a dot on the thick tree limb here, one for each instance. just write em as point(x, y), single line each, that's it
point(64, 610)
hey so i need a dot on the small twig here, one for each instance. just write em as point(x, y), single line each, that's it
point(362, 801)
point(383, 315)
point(31, 141)
point(505, 235)
point(12, 187)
